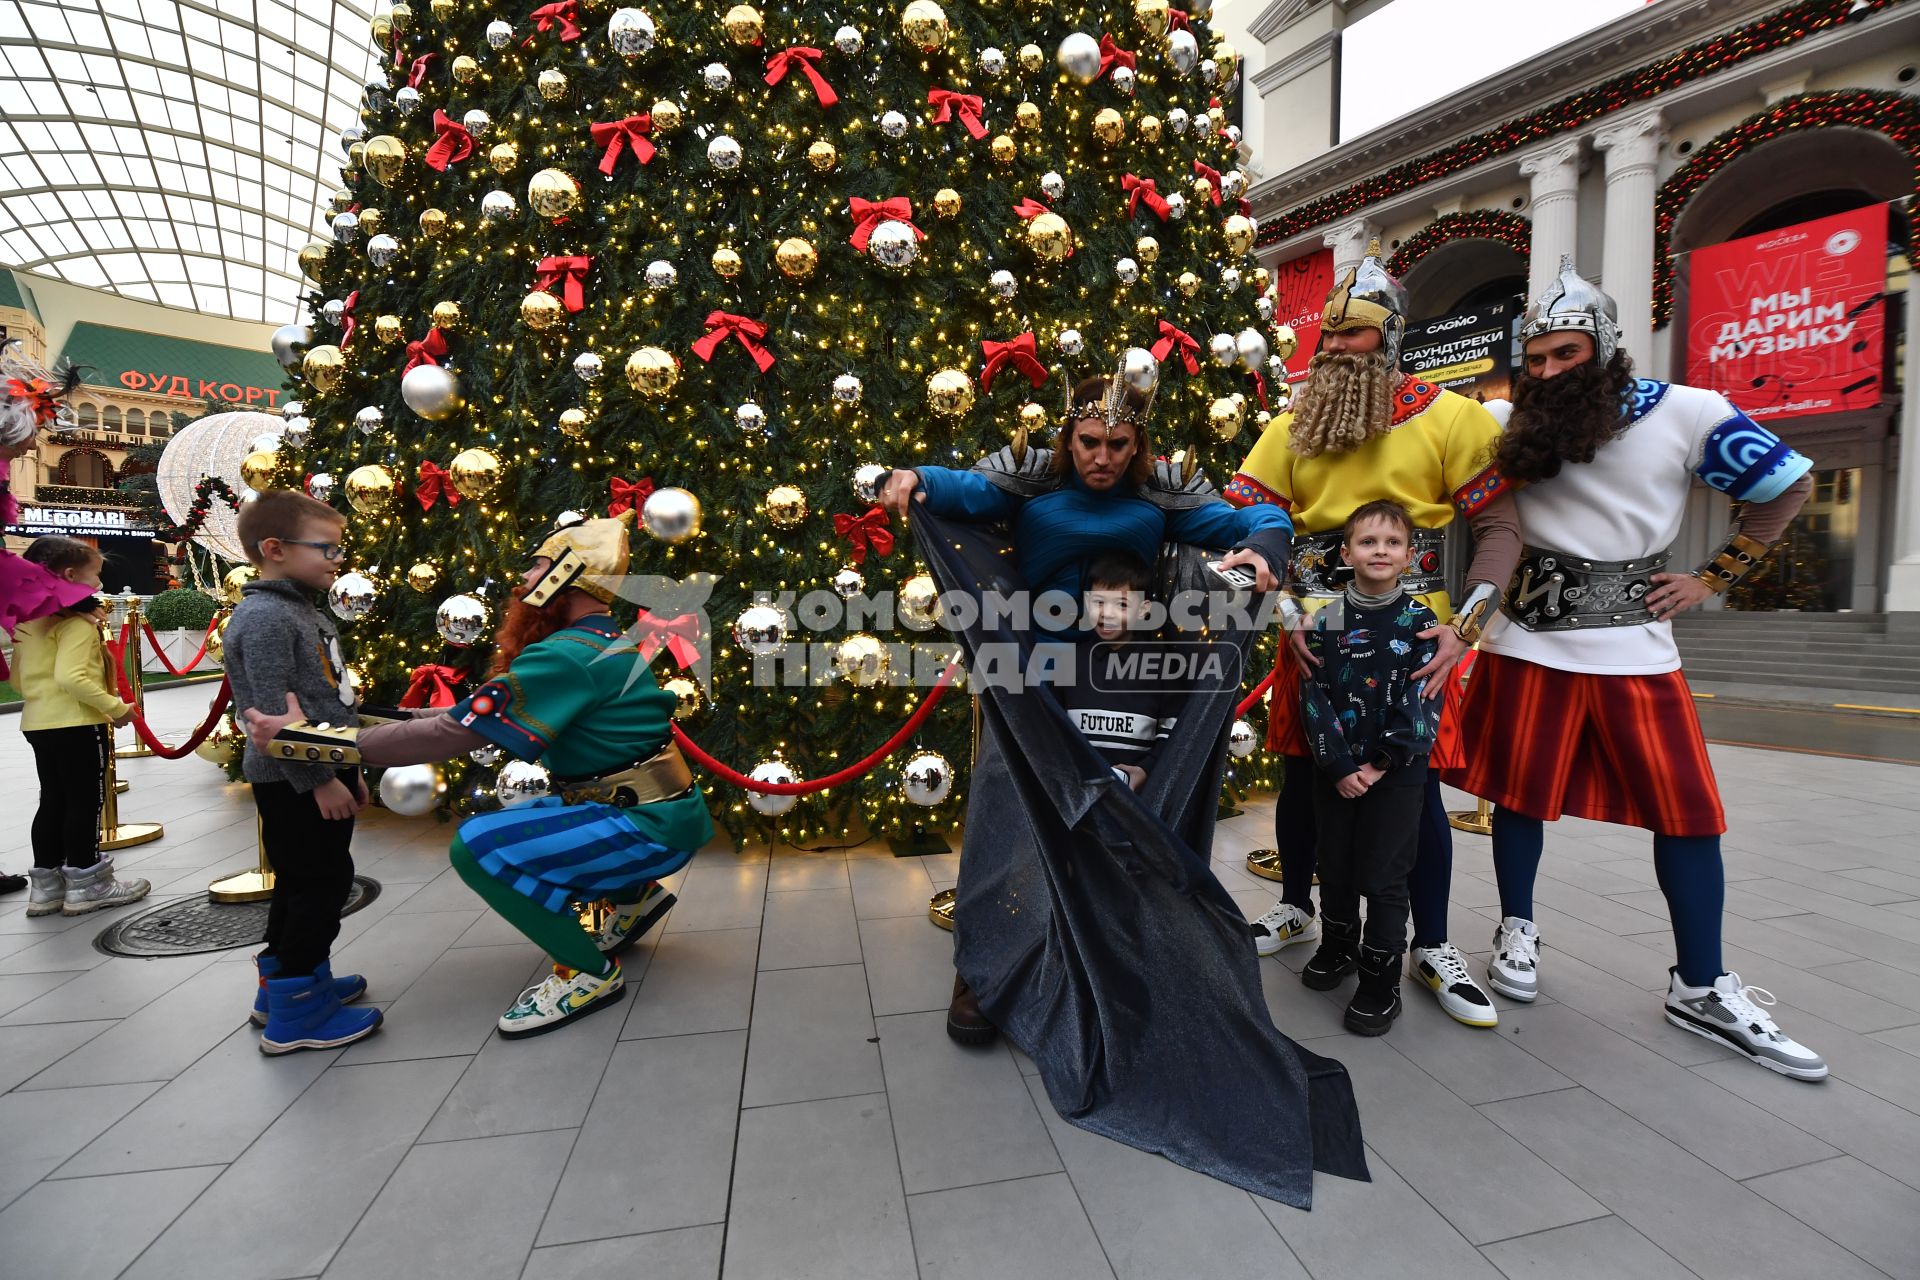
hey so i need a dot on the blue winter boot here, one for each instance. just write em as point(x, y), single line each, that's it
point(346, 990)
point(303, 1013)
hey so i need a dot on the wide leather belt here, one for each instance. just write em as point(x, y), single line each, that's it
point(1555, 591)
point(1317, 569)
point(662, 776)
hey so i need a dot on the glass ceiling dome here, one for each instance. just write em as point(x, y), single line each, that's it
point(176, 151)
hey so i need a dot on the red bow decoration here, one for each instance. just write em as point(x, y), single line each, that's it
point(434, 482)
point(722, 325)
point(1140, 189)
point(347, 323)
point(629, 497)
point(1171, 338)
point(868, 214)
point(1023, 353)
point(869, 530)
point(1112, 55)
point(801, 56)
point(1177, 20)
point(454, 143)
point(564, 12)
point(1259, 385)
point(426, 351)
point(679, 635)
point(431, 686)
point(945, 102)
point(39, 393)
point(1211, 175)
point(419, 69)
point(1030, 208)
point(568, 272)
point(616, 136)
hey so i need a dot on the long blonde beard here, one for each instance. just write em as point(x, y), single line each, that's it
point(1346, 401)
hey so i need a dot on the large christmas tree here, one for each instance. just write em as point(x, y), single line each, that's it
point(587, 254)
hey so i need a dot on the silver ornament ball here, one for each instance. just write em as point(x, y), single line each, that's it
point(750, 417)
point(1252, 346)
point(1230, 279)
point(411, 790)
point(333, 311)
point(290, 342)
point(346, 228)
point(723, 153)
point(1140, 370)
point(1177, 119)
point(351, 597)
point(1071, 342)
point(432, 392)
point(630, 32)
point(867, 479)
point(477, 123)
point(848, 583)
point(776, 772)
point(894, 125)
point(671, 514)
point(1079, 56)
point(497, 206)
point(760, 629)
point(1184, 50)
point(1003, 284)
point(499, 34)
point(369, 419)
point(717, 77)
point(1209, 71)
point(382, 249)
point(587, 366)
point(406, 99)
point(1176, 205)
point(1053, 185)
point(320, 486)
point(1123, 80)
point(849, 41)
point(893, 244)
point(521, 782)
point(1264, 305)
point(461, 620)
point(847, 389)
point(926, 779)
point(1241, 740)
point(662, 274)
point(1126, 270)
point(993, 63)
point(487, 757)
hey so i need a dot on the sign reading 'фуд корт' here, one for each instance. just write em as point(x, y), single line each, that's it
point(188, 387)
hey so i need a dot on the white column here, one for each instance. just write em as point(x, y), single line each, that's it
point(1632, 147)
point(1349, 244)
point(1903, 497)
point(1555, 174)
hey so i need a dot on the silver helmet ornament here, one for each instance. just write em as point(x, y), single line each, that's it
point(1368, 298)
point(1572, 305)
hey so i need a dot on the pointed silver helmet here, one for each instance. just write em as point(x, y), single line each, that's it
point(1368, 298)
point(1571, 304)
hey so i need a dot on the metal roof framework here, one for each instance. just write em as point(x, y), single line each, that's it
point(176, 151)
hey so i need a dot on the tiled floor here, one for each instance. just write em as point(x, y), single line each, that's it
point(777, 1097)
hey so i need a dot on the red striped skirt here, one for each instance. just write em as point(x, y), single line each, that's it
point(1625, 749)
point(1286, 736)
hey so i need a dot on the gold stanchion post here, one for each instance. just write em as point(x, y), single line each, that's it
point(127, 607)
point(255, 885)
point(115, 834)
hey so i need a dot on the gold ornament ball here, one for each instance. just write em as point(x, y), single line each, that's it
point(950, 393)
point(686, 697)
point(475, 472)
point(552, 84)
point(924, 24)
point(946, 202)
point(1147, 249)
point(862, 661)
point(371, 222)
point(1033, 418)
point(665, 115)
point(1049, 236)
point(1216, 119)
point(1109, 127)
point(1188, 284)
point(443, 9)
point(919, 602)
point(370, 489)
point(1225, 417)
point(553, 193)
point(1031, 59)
point(541, 310)
point(223, 745)
point(342, 199)
point(796, 258)
point(356, 158)
point(652, 372)
point(433, 223)
point(726, 263)
point(237, 577)
point(447, 315)
point(1227, 58)
point(312, 258)
point(257, 469)
point(744, 24)
point(1027, 116)
point(672, 514)
point(423, 577)
point(1238, 229)
point(822, 156)
point(381, 25)
point(465, 70)
point(1262, 420)
point(1150, 128)
point(1285, 342)
point(504, 157)
point(573, 423)
point(386, 329)
point(785, 506)
point(1260, 279)
point(1202, 192)
point(324, 367)
point(217, 642)
point(1004, 148)
point(1151, 16)
point(401, 15)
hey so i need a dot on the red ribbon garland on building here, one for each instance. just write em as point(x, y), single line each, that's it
point(432, 685)
point(1112, 55)
point(947, 101)
point(1023, 353)
point(617, 136)
point(678, 635)
point(862, 532)
point(802, 56)
point(427, 350)
point(1169, 339)
point(628, 496)
point(868, 214)
point(565, 13)
point(570, 273)
point(722, 325)
point(433, 482)
point(1143, 189)
point(454, 143)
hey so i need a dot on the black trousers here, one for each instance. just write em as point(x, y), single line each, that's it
point(1430, 882)
point(312, 874)
point(1366, 850)
point(72, 764)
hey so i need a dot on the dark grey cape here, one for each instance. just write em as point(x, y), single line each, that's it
point(1092, 928)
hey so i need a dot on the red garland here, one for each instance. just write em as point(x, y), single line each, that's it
point(427, 350)
point(565, 13)
point(1143, 189)
point(418, 72)
point(1498, 225)
point(1171, 338)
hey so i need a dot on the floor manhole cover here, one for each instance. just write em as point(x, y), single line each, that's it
point(188, 926)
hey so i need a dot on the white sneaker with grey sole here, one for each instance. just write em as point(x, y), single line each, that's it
point(1729, 1013)
point(1514, 970)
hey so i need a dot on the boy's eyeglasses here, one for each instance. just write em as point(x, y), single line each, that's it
point(330, 550)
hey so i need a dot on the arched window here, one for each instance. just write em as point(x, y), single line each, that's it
point(87, 468)
point(136, 422)
point(110, 418)
point(89, 416)
point(157, 424)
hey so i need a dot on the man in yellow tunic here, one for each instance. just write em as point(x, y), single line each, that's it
point(1361, 431)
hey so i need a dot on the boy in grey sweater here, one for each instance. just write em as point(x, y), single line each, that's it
point(278, 643)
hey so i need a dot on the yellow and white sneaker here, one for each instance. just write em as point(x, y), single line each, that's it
point(617, 927)
point(565, 995)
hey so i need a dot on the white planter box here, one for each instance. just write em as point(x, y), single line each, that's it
point(179, 646)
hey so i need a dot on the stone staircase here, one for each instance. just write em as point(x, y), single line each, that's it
point(1801, 650)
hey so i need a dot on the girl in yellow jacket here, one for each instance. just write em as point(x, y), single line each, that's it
point(66, 681)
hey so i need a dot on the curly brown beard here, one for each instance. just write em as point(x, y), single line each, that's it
point(1346, 401)
point(524, 626)
point(1565, 418)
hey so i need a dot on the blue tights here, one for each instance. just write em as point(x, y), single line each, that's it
point(1688, 868)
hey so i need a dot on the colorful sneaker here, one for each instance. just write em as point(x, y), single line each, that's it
point(622, 925)
point(94, 888)
point(49, 892)
point(1729, 1013)
point(1444, 970)
point(1282, 927)
point(563, 996)
point(1514, 970)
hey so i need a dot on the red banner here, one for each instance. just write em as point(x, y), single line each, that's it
point(1301, 288)
point(1792, 322)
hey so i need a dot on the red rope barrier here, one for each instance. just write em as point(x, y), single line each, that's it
point(125, 689)
point(193, 662)
point(847, 774)
point(1259, 692)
